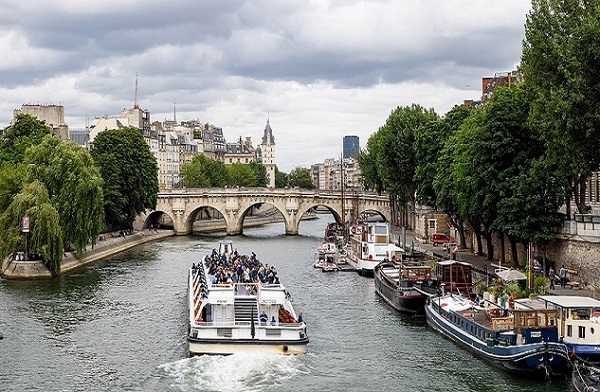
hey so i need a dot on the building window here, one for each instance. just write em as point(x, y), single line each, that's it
point(432, 223)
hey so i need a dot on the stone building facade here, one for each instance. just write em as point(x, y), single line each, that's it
point(52, 115)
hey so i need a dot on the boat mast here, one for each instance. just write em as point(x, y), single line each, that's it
point(343, 185)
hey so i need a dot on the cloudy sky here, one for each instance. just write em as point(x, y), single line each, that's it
point(317, 69)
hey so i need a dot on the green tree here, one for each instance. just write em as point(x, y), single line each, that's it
point(130, 174)
point(45, 237)
point(204, 172)
point(301, 178)
point(239, 174)
point(390, 159)
point(528, 193)
point(74, 185)
point(560, 60)
point(367, 161)
point(26, 131)
point(281, 178)
point(464, 187)
point(429, 142)
point(260, 172)
point(12, 177)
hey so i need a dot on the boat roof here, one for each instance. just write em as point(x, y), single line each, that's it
point(451, 262)
point(571, 301)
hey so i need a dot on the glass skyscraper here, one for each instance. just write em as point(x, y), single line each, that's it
point(351, 147)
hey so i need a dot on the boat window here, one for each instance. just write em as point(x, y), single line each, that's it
point(592, 330)
point(581, 332)
point(581, 314)
point(381, 230)
point(569, 330)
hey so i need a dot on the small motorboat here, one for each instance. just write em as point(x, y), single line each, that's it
point(585, 377)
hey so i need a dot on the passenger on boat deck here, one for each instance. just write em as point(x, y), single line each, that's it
point(273, 321)
point(300, 317)
point(263, 318)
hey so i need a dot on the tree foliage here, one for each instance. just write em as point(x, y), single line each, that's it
point(74, 185)
point(281, 178)
point(397, 160)
point(12, 176)
point(130, 176)
point(560, 61)
point(301, 178)
point(239, 174)
point(429, 142)
point(45, 237)
point(370, 178)
point(260, 172)
point(26, 131)
point(204, 172)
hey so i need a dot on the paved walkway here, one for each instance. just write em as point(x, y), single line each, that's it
point(480, 264)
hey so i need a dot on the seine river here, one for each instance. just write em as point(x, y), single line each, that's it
point(120, 325)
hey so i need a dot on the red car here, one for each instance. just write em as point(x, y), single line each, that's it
point(440, 238)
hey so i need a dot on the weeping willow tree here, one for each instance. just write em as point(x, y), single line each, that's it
point(74, 185)
point(45, 237)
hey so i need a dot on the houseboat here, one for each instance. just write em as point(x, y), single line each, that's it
point(523, 342)
point(578, 323)
point(395, 282)
point(452, 276)
point(369, 244)
point(238, 304)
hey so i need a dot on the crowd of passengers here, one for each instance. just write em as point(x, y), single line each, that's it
point(236, 268)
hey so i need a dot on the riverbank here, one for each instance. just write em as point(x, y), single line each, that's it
point(111, 245)
point(481, 264)
point(36, 269)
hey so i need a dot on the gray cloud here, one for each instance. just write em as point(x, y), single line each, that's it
point(318, 69)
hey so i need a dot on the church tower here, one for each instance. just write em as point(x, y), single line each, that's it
point(267, 149)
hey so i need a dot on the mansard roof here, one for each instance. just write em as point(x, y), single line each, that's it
point(268, 135)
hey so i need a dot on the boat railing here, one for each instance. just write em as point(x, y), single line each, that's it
point(257, 324)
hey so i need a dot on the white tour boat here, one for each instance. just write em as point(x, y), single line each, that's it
point(368, 245)
point(249, 312)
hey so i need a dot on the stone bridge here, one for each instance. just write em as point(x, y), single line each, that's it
point(182, 206)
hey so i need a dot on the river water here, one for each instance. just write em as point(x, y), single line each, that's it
point(120, 325)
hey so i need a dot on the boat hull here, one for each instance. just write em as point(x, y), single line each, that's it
point(362, 266)
point(224, 347)
point(585, 378)
point(536, 360)
point(403, 299)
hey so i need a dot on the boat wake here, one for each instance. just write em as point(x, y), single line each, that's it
point(244, 371)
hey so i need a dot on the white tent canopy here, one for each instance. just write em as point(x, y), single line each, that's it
point(511, 275)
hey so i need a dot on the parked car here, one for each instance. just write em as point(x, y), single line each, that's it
point(440, 238)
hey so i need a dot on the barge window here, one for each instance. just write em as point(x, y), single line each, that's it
point(381, 230)
point(569, 330)
point(582, 332)
point(581, 314)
